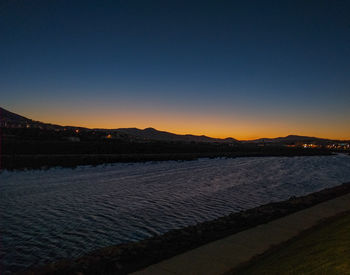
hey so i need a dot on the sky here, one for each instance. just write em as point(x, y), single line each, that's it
point(244, 69)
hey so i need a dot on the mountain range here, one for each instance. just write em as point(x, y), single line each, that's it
point(12, 120)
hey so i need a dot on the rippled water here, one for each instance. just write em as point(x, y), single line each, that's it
point(58, 213)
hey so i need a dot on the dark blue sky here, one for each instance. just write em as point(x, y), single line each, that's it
point(238, 68)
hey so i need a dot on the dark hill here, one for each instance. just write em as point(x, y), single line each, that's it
point(12, 120)
point(292, 139)
point(153, 134)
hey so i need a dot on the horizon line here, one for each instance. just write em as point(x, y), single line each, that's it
point(180, 133)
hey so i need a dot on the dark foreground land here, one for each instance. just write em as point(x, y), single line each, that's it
point(40, 161)
point(36, 148)
point(38, 155)
point(129, 257)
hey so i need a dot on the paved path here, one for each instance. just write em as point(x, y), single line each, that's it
point(223, 255)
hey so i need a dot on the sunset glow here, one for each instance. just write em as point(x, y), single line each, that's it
point(217, 70)
point(229, 125)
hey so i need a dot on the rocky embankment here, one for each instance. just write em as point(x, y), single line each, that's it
point(129, 257)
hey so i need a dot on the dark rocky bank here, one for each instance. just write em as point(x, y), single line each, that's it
point(129, 257)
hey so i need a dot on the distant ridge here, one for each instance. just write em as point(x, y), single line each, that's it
point(9, 119)
point(153, 134)
point(289, 138)
point(12, 120)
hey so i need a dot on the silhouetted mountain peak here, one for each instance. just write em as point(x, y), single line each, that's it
point(8, 116)
point(9, 119)
point(150, 129)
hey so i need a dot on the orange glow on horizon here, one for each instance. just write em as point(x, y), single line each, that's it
point(240, 127)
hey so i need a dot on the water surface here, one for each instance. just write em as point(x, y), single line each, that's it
point(62, 212)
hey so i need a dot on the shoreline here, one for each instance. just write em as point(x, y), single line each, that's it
point(133, 256)
point(45, 161)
